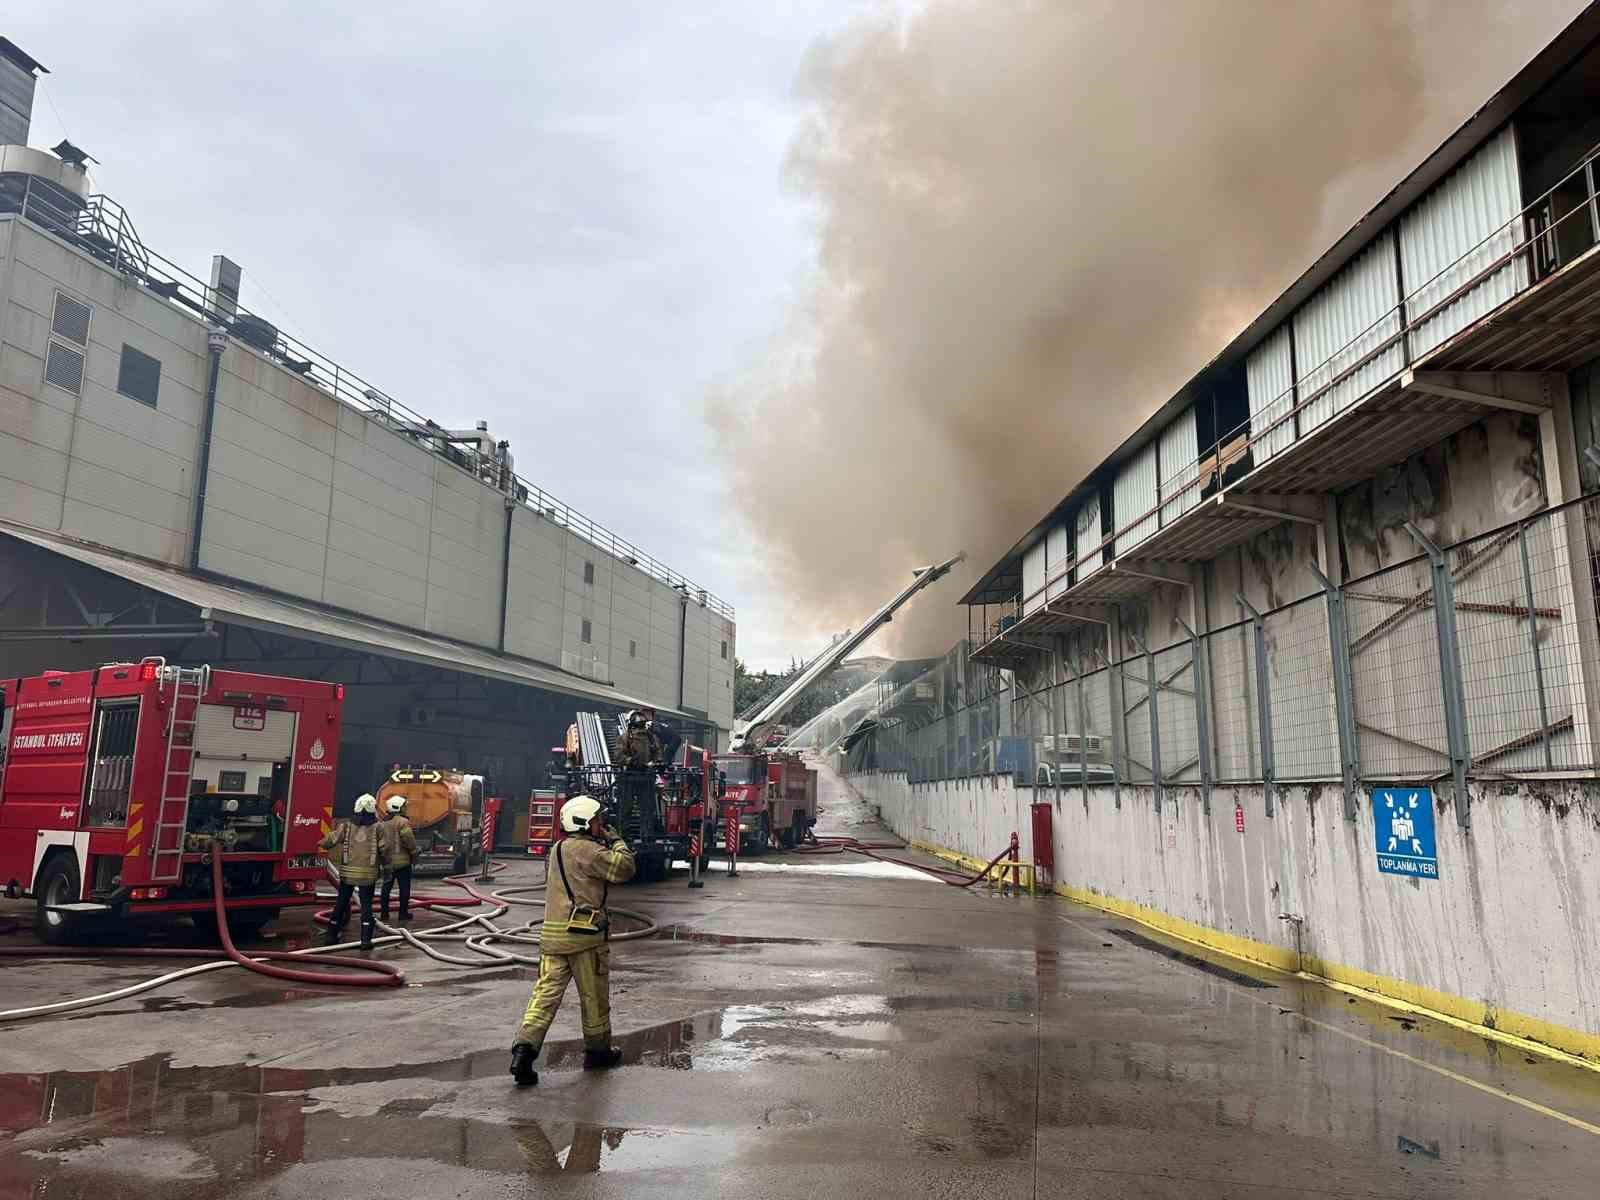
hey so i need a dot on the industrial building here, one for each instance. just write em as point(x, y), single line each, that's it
point(1354, 556)
point(179, 477)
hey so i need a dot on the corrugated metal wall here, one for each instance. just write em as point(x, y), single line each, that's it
point(1133, 497)
point(1269, 381)
point(1057, 557)
point(1087, 537)
point(1180, 467)
point(1472, 206)
point(1346, 320)
point(1033, 578)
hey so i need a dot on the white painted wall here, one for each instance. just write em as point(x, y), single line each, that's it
point(98, 466)
point(1510, 922)
point(308, 496)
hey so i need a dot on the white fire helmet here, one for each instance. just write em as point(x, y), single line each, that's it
point(367, 803)
point(578, 812)
point(397, 804)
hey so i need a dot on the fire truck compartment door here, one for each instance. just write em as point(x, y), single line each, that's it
point(242, 743)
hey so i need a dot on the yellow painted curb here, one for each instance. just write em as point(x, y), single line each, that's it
point(1530, 1034)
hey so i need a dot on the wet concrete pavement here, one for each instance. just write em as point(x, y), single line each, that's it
point(790, 1033)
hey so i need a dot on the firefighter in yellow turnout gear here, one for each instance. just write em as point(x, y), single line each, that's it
point(359, 852)
point(573, 938)
point(401, 842)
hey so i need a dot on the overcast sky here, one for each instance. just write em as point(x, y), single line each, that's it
point(570, 220)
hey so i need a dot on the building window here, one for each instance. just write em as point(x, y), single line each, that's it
point(633, 648)
point(588, 572)
point(724, 649)
point(139, 376)
point(588, 631)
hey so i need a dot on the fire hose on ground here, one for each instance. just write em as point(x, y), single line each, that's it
point(477, 933)
point(875, 850)
point(376, 973)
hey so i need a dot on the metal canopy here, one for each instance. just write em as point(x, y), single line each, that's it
point(238, 604)
point(1553, 326)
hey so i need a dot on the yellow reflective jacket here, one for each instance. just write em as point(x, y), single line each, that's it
point(588, 868)
point(400, 841)
point(358, 851)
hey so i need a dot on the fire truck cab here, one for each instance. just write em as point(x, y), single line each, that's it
point(776, 795)
point(117, 782)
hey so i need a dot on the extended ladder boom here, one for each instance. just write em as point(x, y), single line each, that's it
point(749, 732)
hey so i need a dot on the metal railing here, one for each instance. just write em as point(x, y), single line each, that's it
point(1532, 230)
point(102, 228)
point(1478, 660)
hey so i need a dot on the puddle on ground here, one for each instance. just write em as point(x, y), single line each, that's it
point(221, 1126)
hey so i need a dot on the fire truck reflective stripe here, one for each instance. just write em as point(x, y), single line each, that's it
point(134, 831)
point(326, 828)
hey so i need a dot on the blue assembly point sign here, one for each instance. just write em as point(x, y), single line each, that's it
point(1404, 821)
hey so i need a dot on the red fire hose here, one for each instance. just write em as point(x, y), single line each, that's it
point(377, 974)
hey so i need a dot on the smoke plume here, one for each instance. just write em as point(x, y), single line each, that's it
point(1035, 220)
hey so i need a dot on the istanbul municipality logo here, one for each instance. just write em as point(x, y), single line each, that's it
point(317, 750)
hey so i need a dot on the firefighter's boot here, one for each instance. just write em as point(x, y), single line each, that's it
point(602, 1058)
point(368, 928)
point(522, 1072)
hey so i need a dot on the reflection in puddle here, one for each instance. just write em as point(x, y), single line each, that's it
point(159, 1124)
point(588, 1148)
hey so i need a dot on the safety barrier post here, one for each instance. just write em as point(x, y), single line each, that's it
point(1343, 692)
point(1450, 677)
point(491, 809)
point(730, 837)
point(1201, 670)
point(697, 839)
point(1016, 873)
point(1263, 700)
point(1155, 718)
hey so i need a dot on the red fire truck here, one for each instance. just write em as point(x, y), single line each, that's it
point(777, 793)
point(116, 782)
point(661, 830)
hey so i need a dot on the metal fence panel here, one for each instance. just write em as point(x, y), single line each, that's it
point(1524, 619)
point(1233, 703)
point(1395, 679)
point(1305, 721)
point(1135, 720)
point(1561, 574)
point(1175, 683)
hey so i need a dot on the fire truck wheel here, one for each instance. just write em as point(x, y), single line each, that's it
point(761, 839)
point(58, 884)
